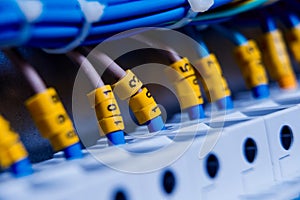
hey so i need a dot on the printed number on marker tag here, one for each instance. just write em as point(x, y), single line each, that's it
point(133, 82)
point(55, 99)
point(184, 68)
point(71, 134)
point(61, 119)
point(111, 107)
point(106, 92)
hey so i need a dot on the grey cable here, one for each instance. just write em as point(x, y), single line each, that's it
point(28, 71)
point(158, 45)
point(114, 69)
point(87, 67)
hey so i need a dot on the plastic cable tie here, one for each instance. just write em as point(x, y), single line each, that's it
point(200, 5)
point(92, 11)
point(184, 21)
point(196, 7)
point(31, 10)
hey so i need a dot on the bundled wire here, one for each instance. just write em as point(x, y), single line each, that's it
point(55, 24)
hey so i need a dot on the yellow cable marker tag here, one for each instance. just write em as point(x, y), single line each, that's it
point(250, 63)
point(141, 100)
point(127, 86)
point(211, 77)
point(67, 138)
point(144, 106)
point(52, 119)
point(184, 69)
point(53, 124)
point(17, 152)
point(293, 38)
point(189, 93)
point(100, 94)
point(148, 113)
point(11, 148)
point(277, 60)
point(111, 124)
point(107, 110)
point(185, 83)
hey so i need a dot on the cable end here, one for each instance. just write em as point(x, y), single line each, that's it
point(116, 138)
point(22, 168)
point(156, 124)
point(225, 103)
point(288, 82)
point(73, 152)
point(196, 112)
point(261, 92)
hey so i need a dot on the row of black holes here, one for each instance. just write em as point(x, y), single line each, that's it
point(250, 150)
point(212, 163)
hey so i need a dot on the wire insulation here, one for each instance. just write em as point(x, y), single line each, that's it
point(28, 71)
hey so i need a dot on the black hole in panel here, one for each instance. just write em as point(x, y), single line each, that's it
point(212, 165)
point(286, 137)
point(168, 181)
point(250, 150)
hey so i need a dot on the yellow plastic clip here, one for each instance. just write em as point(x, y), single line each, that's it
point(211, 77)
point(185, 83)
point(127, 86)
point(107, 110)
point(111, 124)
point(277, 60)
point(144, 106)
point(249, 60)
point(293, 38)
point(11, 148)
point(52, 119)
point(189, 93)
point(183, 68)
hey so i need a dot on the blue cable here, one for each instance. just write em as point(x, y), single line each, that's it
point(268, 23)
point(13, 19)
point(74, 16)
point(225, 103)
point(113, 2)
point(156, 124)
point(202, 49)
point(234, 36)
point(231, 12)
point(21, 168)
point(73, 152)
point(62, 20)
point(143, 21)
point(218, 3)
point(196, 112)
point(116, 138)
point(138, 8)
point(291, 20)
point(260, 91)
point(40, 35)
point(155, 20)
point(130, 9)
point(52, 16)
point(70, 31)
point(210, 21)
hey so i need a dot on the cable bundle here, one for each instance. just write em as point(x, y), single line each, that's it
point(55, 24)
